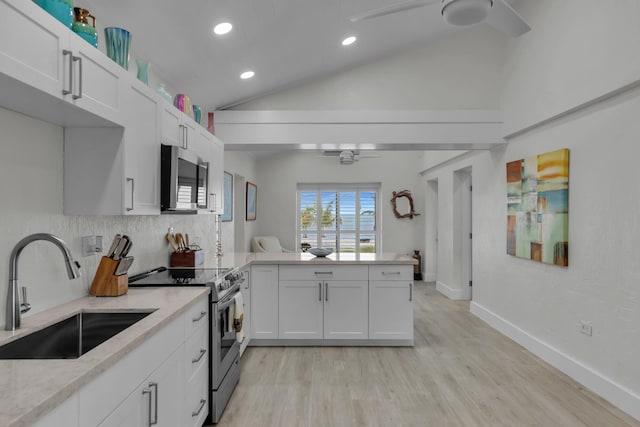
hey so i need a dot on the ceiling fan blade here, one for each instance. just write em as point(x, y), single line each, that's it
point(398, 7)
point(504, 18)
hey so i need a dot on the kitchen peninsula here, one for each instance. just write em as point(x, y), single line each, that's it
point(340, 300)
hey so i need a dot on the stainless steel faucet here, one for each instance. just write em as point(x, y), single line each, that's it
point(14, 308)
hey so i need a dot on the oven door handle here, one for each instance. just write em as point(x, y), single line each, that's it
point(224, 305)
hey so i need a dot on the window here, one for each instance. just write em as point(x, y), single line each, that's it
point(339, 216)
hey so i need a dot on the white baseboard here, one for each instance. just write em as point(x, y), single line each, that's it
point(616, 394)
point(450, 292)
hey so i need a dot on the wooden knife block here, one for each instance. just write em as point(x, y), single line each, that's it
point(105, 283)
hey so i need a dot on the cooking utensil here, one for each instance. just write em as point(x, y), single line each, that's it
point(123, 266)
point(180, 241)
point(126, 249)
point(118, 252)
point(186, 238)
point(114, 245)
point(172, 242)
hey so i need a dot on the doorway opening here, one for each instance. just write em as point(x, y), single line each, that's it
point(239, 244)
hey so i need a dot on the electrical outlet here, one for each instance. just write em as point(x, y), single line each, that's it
point(91, 245)
point(586, 328)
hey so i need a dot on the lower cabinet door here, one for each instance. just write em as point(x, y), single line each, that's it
point(391, 310)
point(346, 310)
point(157, 401)
point(300, 314)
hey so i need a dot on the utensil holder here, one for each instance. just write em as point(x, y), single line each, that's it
point(187, 258)
point(106, 283)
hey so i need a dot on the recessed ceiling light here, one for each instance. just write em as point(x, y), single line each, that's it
point(349, 40)
point(222, 28)
point(247, 75)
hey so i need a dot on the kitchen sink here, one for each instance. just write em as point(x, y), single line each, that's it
point(72, 337)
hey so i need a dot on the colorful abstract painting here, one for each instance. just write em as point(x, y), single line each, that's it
point(538, 208)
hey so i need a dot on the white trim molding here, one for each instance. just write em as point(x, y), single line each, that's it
point(619, 396)
point(451, 293)
point(360, 129)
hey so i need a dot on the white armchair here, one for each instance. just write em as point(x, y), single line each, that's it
point(267, 244)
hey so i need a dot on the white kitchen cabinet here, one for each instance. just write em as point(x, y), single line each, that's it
point(321, 308)
point(53, 60)
point(245, 289)
point(154, 401)
point(391, 302)
point(180, 130)
point(264, 302)
point(116, 171)
point(159, 378)
point(66, 414)
point(301, 309)
point(346, 309)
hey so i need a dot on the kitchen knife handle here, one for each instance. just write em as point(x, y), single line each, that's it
point(132, 190)
point(66, 52)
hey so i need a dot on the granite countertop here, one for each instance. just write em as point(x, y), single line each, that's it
point(244, 259)
point(31, 388)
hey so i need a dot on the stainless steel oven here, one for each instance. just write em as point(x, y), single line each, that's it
point(225, 353)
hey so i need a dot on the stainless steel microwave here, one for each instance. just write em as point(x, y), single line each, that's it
point(184, 180)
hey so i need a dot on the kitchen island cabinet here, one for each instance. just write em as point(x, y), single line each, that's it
point(350, 301)
point(323, 302)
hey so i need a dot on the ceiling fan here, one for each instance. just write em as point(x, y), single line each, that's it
point(496, 13)
point(347, 157)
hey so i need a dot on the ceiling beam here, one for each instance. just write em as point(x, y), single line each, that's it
point(357, 129)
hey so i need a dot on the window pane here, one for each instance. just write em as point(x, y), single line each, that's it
point(328, 215)
point(329, 241)
point(348, 242)
point(368, 243)
point(347, 214)
point(367, 211)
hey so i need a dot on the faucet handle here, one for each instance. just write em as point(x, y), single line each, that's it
point(24, 306)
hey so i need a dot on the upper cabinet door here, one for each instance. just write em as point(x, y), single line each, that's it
point(97, 80)
point(142, 152)
point(171, 131)
point(31, 47)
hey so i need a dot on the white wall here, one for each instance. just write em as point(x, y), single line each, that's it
point(578, 53)
point(241, 163)
point(279, 174)
point(31, 167)
point(461, 71)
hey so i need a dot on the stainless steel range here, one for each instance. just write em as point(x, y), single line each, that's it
point(225, 283)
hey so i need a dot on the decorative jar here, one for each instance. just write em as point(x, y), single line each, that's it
point(81, 25)
point(62, 10)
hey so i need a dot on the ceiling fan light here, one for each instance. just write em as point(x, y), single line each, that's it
point(465, 12)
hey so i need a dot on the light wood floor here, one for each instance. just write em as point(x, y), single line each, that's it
point(461, 372)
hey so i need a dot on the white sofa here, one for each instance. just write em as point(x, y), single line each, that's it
point(267, 244)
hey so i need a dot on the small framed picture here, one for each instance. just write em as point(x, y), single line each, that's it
point(252, 194)
point(227, 192)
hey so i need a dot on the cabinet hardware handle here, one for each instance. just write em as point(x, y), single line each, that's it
point(320, 291)
point(200, 356)
point(410, 291)
point(390, 273)
point(148, 391)
point(326, 291)
point(66, 52)
point(132, 189)
point(317, 273)
point(197, 319)
point(79, 95)
point(155, 409)
point(196, 413)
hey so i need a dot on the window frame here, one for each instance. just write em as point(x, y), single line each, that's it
point(357, 188)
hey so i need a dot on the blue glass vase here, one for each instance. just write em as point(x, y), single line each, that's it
point(62, 10)
point(118, 41)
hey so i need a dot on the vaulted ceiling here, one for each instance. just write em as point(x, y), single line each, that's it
point(285, 42)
